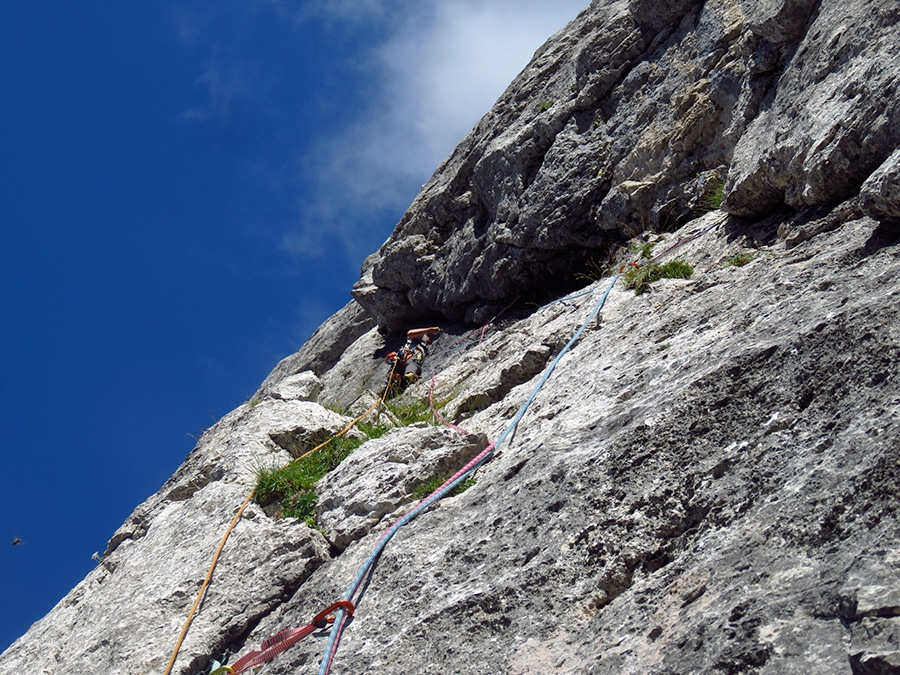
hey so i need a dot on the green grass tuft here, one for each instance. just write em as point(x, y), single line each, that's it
point(739, 259)
point(424, 489)
point(640, 278)
point(293, 486)
point(676, 269)
point(410, 411)
point(645, 249)
point(712, 197)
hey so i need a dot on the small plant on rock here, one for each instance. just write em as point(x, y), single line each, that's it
point(545, 105)
point(424, 489)
point(593, 271)
point(293, 486)
point(410, 411)
point(645, 250)
point(712, 196)
point(640, 278)
point(676, 269)
point(739, 259)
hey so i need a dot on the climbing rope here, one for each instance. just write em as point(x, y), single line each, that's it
point(205, 584)
point(686, 240)
point(237, 516)
point(282, 641)
point(354, 593)
point(344, 608)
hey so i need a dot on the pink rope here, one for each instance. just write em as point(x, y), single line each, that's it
point(440, 418)
point(272, 647)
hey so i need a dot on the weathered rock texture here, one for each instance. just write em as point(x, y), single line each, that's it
point(710, 480)
point(627, 120)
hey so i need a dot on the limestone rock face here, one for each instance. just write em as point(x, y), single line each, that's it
point(126, 614)
point(303, 386)
point(632, 118)
point(833, 118)
point(324, 347)
point(382, 476)
point(881, 191)
point(709, 480)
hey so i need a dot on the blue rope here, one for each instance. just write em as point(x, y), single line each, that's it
point(339, 621)
point(547, 373)
point(569, 297)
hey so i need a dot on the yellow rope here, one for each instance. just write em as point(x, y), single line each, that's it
point(237, 517)
point(341, 432)
point(206, 581)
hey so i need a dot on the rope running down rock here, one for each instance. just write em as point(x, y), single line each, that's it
point(353, 594)
point(237, 516)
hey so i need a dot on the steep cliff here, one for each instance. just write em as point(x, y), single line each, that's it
point(708, 481)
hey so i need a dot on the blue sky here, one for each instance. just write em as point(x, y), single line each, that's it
point(187, 189)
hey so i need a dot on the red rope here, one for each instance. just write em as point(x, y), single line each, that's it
point(272, 647)
point(440, 418)
point(286, 639)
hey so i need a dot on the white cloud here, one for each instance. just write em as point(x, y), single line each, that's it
point(353, 11)
point(223, 85)
point(450, 74)
point(226, 78)
point(440, 68)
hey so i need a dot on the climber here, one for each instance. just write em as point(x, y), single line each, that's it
point(406, 363)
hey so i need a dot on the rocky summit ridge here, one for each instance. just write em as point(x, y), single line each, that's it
point(709, 481)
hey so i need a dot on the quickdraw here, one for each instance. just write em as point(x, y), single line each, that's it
point(282, 641)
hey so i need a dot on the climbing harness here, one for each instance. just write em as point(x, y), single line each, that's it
point(414, 352)
point(398, 378)
point(357, 586)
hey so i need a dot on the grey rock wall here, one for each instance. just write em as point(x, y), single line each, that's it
point(324, 347)
point(833, 117)
point(881, 191)
point(630, 119)
point(707, 484)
